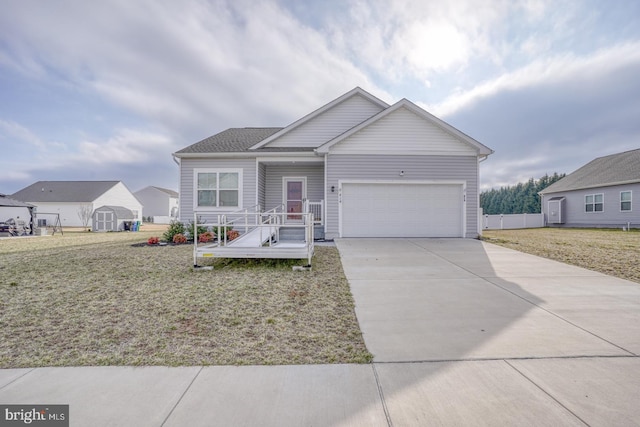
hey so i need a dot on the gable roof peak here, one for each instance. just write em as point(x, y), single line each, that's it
point(483, 150)
point(357, 91)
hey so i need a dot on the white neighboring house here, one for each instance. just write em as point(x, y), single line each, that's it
point(70, 198)
point(160, 203)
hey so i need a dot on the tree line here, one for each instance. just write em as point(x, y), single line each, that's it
point(517, 199)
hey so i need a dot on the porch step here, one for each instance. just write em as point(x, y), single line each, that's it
point(287, 234)
point(291, 234)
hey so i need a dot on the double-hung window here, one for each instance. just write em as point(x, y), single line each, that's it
point(217, 188)
point(625, 201)
point(594, 203)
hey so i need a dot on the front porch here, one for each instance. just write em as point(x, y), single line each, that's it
point(263, 235)
point(294, 187)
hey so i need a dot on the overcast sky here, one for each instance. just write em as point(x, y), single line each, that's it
point(107, 90)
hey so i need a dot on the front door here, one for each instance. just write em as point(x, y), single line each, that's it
point(294, 196)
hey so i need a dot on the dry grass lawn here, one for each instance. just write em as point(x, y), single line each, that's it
point(94, 299)
point(608, 251)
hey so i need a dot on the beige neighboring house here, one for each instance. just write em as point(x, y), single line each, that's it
point(75, 201)
point(159, 203)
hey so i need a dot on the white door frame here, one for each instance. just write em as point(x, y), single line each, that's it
point(286, 179)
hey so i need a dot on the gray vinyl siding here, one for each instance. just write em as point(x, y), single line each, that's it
point(262, 182)
point(376, 167)
point(403, 131)
point(611, 216)
point(248, 167)
point(274, 175)
point(329, 124)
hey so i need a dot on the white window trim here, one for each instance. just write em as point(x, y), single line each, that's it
point(594, 211)
point(196, 171)
point(630, 201)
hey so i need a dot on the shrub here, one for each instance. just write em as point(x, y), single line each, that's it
point(205, 237)
point(232, 234)
point(175, 227)
point(179, 239)
point(191, 230)
point(153, 240)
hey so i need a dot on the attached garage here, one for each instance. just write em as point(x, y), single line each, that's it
point(402, 209)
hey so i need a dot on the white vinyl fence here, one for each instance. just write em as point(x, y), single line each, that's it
point(510, 222)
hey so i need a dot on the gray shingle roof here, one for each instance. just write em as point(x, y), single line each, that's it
point(120, 211)
point(64, 191)
point(230, 141)
point(601, 172)
point(166, 190)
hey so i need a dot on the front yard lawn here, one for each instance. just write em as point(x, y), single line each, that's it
point(609, 251)
point(94, 299)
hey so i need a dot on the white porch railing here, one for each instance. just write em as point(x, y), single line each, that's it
point(261, 238)
point(317, 211)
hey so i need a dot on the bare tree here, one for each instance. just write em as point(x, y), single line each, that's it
point(85, 212)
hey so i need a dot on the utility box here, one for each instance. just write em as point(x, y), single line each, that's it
point(556, 210)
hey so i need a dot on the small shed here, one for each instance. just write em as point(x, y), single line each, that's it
point(112, 218)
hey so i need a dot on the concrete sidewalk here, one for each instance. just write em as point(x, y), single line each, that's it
point(463, 333)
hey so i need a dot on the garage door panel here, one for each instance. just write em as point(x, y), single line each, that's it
point(401, 210)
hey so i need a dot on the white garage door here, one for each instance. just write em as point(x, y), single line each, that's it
point(401, 210)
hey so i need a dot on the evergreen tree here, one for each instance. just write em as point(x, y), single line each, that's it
point(517, 199)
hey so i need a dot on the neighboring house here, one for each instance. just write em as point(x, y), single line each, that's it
point(373, 169)
point(158, 202)
point(73, 200)
point(603, 193)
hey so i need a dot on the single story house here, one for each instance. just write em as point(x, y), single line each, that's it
point(75, 201)
point(365, 168)
point(157, 202)
point(12, 209)
point(603, 193)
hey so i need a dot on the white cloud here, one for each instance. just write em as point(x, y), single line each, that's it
point(12, 130)
point(547, 71)
point(127, 146)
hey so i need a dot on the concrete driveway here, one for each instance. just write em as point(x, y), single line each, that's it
point(463, 332)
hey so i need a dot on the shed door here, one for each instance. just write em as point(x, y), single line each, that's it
point(402, 210)
point(104, 221)
point(556, 207)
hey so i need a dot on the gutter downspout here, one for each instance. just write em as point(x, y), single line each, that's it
point(175, 160)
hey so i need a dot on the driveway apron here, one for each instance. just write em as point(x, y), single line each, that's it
point(453, 320)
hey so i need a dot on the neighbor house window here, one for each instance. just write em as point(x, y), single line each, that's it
point(594, 203)
point(217, 188)
point(625, 201)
